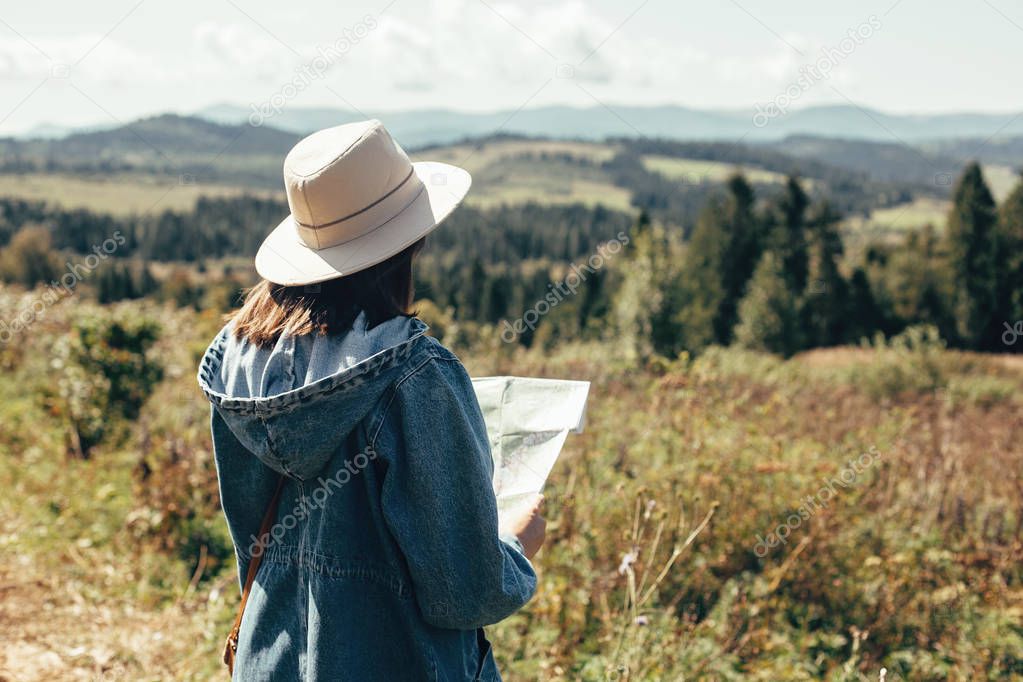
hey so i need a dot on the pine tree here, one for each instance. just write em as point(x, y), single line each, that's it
point(788, 234)
point(645, 304)
point(470, 297)
point(921, 284)
point(826, 299)
point(865, 315)
point(496, 297)
point(595, 302)
point(1010, 295)
point(973, 253)
point(743, 249)
point(720, 259)
point(147, 283)
point(769, 313)
point(701, 278)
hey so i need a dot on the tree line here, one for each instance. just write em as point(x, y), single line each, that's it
point(774, 276)
point(767, 272)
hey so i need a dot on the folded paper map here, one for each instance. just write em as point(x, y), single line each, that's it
point(527, 423)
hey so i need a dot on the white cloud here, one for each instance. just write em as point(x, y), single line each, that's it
point(444, 53)
point(456, 49)
point(466, 44)
point(90, 56)
point(223, 46)
point(18, 59)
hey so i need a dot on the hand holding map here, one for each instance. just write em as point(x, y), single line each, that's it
point(527, 423)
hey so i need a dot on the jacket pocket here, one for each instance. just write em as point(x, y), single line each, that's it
point(486, 667)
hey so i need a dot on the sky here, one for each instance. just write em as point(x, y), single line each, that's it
point(72, 63)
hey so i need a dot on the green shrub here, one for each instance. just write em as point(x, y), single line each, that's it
point(913, 362)
point(106, 375)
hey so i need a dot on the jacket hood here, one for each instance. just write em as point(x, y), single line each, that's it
point(295, 404)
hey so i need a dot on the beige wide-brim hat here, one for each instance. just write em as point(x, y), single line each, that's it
point(356, 200)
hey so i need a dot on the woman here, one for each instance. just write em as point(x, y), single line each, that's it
point(354, 465)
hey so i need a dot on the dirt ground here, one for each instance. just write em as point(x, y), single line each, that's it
point(50, 630)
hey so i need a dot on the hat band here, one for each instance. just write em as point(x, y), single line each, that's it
point(365, 220)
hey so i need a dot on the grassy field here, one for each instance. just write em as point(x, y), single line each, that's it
point(116, 194)
point(509, 172)
point(551, 190)
point(928, 210)
point(521, 179)
point(666, 558)
point(504, 172)
point(694, 171)
point(898, 220)
point(1001, 179)
point(474, 157)
point(552, 172)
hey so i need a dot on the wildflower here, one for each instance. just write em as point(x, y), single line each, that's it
point(628, 559)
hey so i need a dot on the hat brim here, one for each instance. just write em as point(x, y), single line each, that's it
point(284, 259)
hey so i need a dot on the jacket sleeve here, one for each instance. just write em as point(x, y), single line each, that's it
point(439, 504)
point(244, 511)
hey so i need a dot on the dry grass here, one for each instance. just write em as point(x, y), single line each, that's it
point(650, 571)
point(695, 171)
point(904, 217)
point(119, 195)
point(476, 157)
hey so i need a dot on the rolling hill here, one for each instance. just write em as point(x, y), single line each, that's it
point(674, 122)
point(997, 133)
point(165, 136)
point(170, 160)
point(619, 173)
point(882, 161)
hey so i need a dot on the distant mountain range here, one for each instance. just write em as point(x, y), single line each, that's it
point(669, 177)
point(214, 146)
point(881, 161)
point(177, 137)
point(425, 127)
point(185, 146)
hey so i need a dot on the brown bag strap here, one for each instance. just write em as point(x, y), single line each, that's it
point(268, 519)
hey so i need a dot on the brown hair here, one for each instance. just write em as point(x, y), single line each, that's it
point(382, 291)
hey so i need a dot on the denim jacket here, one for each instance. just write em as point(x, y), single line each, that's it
point(384, 562)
